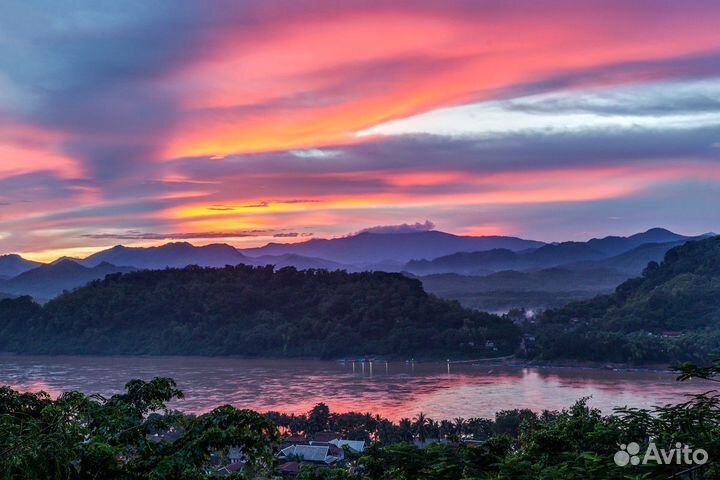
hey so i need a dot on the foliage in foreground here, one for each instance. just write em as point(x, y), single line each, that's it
point(84, 437)
point(92, 437)
point(578, 443)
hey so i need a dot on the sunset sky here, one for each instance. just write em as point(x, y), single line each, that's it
point(246, 122)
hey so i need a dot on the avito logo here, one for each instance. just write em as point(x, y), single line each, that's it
point(680, 455)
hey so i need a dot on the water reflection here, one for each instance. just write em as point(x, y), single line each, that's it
point(394, 390)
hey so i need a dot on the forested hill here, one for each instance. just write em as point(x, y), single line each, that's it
point(671, 312)
point(253, 311)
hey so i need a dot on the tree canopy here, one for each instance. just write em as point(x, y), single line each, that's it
point(83, 437)
point(669, 314)
point(246, 310)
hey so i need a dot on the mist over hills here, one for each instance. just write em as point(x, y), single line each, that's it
point(613, 245)
point(48, 281)
point(12, 265)
point(508, 289)
point(492, 273)
point(376, 248)
point(547, 277)
point(671, 313)
point(552, 255)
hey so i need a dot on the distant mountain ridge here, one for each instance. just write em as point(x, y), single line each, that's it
point(376, 248)
point(45, 281)
point(509, 289)
point(669, 314)
point(182, 254)
point(610, 258)
point(13, 265)
point(681, 292)
point(178, 254)
point(595, 253)
point(546, 277)
point(632, 262)
point(614, 245)
point(48, 281)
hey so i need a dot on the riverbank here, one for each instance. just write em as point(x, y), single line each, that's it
point(501, 362)
point(583, 365)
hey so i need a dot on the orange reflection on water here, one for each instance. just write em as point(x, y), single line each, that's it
point(394, 390)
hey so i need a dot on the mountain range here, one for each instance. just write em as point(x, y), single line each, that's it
point(12, 265)
point(566, 253)
point(178, 254)
point(669, 314)
point(48, 281)
point(492, 272)
point(508, 289)
point(546, 277)
point(392, 248)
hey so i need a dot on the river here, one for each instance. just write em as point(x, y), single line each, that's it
point(394, 390)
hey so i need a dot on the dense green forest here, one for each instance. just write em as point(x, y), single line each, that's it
point(253, 311)
point(670, 313)
point(134, 435)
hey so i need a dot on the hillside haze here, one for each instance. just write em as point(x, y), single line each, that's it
point(373, 248)
point(521, 273)
point(48, 281)
point(12, 265)
point(546, 277)
point(595, 252)
point(671, 313)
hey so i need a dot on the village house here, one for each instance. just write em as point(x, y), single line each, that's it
point(313, 454)
point(357, 446)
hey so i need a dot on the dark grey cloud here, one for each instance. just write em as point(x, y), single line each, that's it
point(261, 204)
point(425, 226)
point(519, 151)
point(286, 235)
point(39, 186)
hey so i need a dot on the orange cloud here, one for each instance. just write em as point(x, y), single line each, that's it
point(315, 81)
point(107, 150)
point(25, 149)
point(453, 190)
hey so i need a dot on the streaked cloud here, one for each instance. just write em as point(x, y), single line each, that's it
point(135, 235)
point(675, 105)
point(204, 120)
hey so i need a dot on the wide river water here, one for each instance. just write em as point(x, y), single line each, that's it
point(394, 390)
